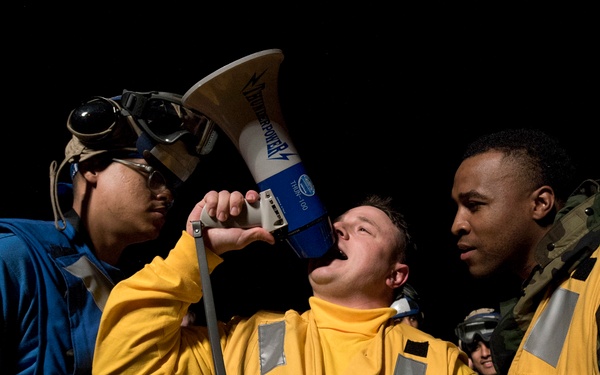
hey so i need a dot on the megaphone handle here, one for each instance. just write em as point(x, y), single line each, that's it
point(209, 304)
point(264, 213)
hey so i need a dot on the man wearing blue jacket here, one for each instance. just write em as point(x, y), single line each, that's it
point(55, 276)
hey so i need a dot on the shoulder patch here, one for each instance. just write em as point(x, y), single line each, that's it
point(417, 348)
point(584, 269)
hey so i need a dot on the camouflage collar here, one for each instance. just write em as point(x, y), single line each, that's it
point(580, 216)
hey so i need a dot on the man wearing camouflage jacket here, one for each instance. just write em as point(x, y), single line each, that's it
point(562, 332)
point(515, 213)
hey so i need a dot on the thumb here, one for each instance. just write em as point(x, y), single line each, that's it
point(256, 234)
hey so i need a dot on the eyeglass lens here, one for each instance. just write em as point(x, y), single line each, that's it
point(157, 182)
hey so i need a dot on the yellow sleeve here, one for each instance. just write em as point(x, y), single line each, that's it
point(460, 360)
point(140, 329)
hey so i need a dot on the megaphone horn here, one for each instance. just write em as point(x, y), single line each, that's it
point(242, 98)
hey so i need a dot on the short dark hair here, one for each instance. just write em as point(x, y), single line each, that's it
point(543, 159)
point(397, 218)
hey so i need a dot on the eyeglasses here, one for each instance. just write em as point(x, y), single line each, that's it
point(156, 183)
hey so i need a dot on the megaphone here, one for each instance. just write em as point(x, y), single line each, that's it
point(242, 99)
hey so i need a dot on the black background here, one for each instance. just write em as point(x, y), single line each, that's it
point(378, 99)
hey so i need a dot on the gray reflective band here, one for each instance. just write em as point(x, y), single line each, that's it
point(270, 340)
point(95, 281)
point(548, 334)
point(407, 366)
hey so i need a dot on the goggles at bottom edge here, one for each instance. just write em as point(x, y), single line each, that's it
point(467, 331)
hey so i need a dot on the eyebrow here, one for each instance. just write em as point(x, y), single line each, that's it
point(470, 194)
point(369, 221)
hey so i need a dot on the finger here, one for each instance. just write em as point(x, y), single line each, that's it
point(194, 215)
point(263, 235)
point(223, 206)
point(252, 196)
point(255, 234)
point(236, 203)
point(209, 202)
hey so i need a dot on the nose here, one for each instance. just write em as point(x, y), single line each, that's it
point(340, 231)
point(460, 225)
point(485, 351)
point(166, 195)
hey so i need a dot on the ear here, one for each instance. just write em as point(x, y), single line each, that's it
point(543, 202)
point(398, 276)
point(90, 176)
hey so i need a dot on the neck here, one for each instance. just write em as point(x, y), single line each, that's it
point(107, 245)
point(355, 301)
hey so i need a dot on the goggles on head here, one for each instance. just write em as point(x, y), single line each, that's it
point(156, 123)
point(163, 117)
point(98, 124)
point(479, 325)
point(158, 114)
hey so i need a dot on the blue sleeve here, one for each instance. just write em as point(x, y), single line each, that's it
point(18, 282)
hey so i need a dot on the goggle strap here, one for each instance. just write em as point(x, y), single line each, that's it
point(133, 103)
point(208, 139)
point(134, 125)
point(54, 195)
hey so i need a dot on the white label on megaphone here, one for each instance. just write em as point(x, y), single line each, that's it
point(266, 149)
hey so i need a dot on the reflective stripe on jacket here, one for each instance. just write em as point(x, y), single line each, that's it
point(52, 291)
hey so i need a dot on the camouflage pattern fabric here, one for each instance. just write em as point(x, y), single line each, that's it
point(559, 253)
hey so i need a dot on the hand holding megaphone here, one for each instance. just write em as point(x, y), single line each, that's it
point(264, 213)
point(240, 228)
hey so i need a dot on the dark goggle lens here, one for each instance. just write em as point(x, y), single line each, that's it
point(93, 119)
point(466, 331)
point(169, 121)
point(162, 118)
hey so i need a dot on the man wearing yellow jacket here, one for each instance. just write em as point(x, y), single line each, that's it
point(348, 330)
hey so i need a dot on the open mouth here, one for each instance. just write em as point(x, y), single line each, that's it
point(332, 254)
point(335, 253)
